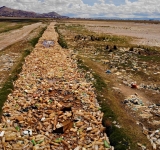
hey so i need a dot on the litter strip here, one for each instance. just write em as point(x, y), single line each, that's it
point(52, 105)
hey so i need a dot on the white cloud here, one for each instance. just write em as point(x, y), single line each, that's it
point(79, 9)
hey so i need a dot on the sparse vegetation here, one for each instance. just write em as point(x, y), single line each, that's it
point(8, 26)
point(13, 24)
point(99, 38)
point(150, 58)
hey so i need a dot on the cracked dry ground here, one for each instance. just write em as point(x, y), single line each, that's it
point(52, 105)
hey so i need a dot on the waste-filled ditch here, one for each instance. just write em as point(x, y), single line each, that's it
point(52, 105)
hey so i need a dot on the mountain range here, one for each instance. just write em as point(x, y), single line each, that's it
point(9, 12)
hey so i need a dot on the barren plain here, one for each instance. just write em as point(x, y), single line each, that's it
point(142, 33)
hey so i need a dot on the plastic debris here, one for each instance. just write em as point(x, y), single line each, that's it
point(27, 132)
point(108, 71)
point(48, 44)
point(2, 133)
point(106, 144)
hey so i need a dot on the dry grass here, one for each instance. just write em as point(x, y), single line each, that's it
point(8, 26)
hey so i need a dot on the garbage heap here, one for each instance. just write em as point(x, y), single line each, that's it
point(52, 106)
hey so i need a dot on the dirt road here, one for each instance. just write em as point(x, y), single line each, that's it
point(9, 38)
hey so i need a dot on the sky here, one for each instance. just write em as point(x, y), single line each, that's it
point(90, 8)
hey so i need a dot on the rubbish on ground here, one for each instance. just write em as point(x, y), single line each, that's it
point(2, 133)
point(48, 44)
point(134, 85)
point(52, 104)
point(108, 71)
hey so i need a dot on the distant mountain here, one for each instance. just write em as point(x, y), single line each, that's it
point(9, 12)
point(50, 15)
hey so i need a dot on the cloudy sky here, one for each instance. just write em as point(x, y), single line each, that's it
point(90, 8)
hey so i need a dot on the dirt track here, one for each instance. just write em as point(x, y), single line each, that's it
point(9, 38)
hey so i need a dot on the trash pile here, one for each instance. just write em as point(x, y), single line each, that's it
point(154, 138)
point(7, 61)
point(151, 113)
point(52, 105)
point(89, 38)
point(47, 43)
point(133, 100)
point(150, 87)
point(155, 109)
point(126, 65)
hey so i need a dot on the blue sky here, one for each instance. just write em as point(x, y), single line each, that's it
point(90, 8)
point(89, 2)
point(115, 2)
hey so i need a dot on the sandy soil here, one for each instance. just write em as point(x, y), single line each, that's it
point(142, 33)
point(9, 38)
point(145, 34)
